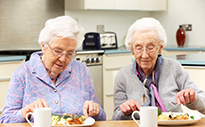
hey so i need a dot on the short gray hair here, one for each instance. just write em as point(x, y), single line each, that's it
point(145, 24)
point(63, 26)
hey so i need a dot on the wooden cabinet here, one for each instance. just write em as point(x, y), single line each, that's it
point(112, 63)
point(147, 5)
point(6, 69)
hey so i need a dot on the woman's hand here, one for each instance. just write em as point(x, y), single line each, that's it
point(186, 96)
point(129, 106)
point(91, 109)
point(40, 103)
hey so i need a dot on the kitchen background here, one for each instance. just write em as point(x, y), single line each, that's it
point(22, 20)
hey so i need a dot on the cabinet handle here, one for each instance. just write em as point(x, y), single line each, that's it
point(109, 94)
point(112, 68)
point(4, 79)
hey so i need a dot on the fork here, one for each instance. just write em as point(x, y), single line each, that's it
point(171, 105)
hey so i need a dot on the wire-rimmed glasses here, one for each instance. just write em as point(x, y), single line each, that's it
point(148, 49)
point(60, 53)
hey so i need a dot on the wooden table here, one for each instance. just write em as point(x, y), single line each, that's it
point(126, 123)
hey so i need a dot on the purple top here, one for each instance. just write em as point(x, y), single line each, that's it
point(31, 82)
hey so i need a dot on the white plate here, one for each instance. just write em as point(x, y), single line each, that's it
point(179, 122)
point(88, 122)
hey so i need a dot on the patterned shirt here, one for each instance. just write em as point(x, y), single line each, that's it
point(31, 82)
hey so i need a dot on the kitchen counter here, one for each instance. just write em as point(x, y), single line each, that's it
point(117, 51)
point(184, 48)
point(166, 48)
point(120, 50)
point(196, 59)
point(5, 58)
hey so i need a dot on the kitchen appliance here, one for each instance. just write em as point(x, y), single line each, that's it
point(97, 41)
point(91, 41)
point(93, 60)
point(108, 40)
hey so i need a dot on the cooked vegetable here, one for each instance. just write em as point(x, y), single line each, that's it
point(171, 116)
point(55, 119)
point(159, 112)
point(192, 117)
point(67, 119)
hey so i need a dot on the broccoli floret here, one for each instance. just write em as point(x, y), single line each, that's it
point(192, 117)
point(55, 119)
point(159, 112)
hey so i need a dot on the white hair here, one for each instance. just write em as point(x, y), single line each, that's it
point(142, 25)
point(63, 26)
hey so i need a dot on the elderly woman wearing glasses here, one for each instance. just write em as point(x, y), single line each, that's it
point(52, 78)
point(152, 80)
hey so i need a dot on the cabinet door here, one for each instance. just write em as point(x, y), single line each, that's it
point(126, 4)
point(147, 5)
point(6, 69)
point(99, 4)
point(3, 88)
point(111, 65)
point(89, 4)
point(153, 5)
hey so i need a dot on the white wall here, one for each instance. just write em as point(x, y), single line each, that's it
point(184, 12)
point(117, 21)
point(178, 12)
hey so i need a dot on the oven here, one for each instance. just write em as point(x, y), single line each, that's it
point(93, 60)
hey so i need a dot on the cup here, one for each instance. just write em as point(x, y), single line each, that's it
point(148, 116)
point(42, 117)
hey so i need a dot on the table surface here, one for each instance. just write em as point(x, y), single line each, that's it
point(125, 123)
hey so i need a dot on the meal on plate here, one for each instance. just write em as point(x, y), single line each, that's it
point(171, 116)
point(67, 119)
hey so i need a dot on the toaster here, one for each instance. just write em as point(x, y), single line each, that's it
point(108, 40)
point(98, 41)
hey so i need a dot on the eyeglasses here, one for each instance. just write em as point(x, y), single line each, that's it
point(149, 49)
point(59, 53)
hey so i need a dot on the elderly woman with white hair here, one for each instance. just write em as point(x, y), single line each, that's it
point(52, 78)
point(152, 80)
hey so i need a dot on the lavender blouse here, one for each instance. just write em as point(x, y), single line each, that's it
point(31, 82)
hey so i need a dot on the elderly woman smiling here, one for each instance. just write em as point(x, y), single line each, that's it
point(152, 80)
point(51, 78)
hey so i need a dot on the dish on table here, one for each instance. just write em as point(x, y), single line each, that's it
point(193, 118)
point(74, 120)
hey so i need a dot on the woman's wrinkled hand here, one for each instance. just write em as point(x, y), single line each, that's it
point(40, 103)
point(185, 96)
point(130, 106)
point(91, 109)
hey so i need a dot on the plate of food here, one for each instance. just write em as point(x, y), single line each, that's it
point(73, 120)
point(177, 118)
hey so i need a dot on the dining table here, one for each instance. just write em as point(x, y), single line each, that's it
point(120, 123)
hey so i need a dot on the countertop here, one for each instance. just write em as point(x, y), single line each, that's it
point(4, 58)
point(122, 49)
point(196, 59)
point(184, 48)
